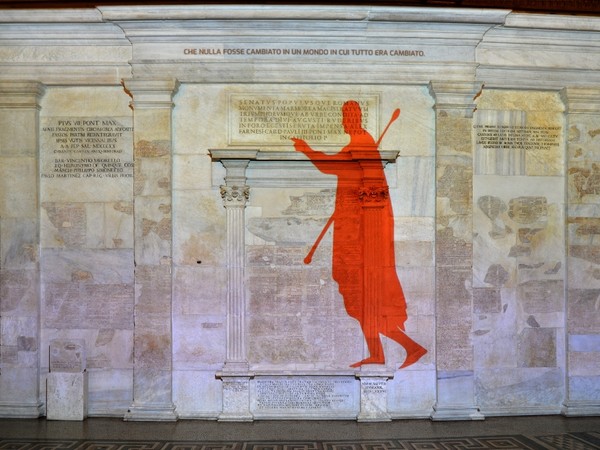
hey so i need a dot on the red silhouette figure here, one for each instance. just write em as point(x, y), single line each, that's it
point(363, 262)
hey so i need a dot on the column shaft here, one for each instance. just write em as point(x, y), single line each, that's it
point(19, 250)
point(454, 251)
point(152, 373)
point(583, 257)
point(236, 345)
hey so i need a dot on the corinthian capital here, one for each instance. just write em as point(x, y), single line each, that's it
point(235, 195)
point(373, 194)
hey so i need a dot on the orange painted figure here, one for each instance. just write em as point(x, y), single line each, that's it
point(363, 262)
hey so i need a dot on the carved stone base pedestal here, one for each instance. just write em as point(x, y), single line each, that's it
point(373, 398)
point(66, 397)
point(236, 398)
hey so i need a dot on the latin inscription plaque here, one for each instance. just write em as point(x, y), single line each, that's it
point(67, 355)
point(314, 396)
point(87, 147)
point(273, 119)
point(526, 137)
point(86, 158)
point(506, 145)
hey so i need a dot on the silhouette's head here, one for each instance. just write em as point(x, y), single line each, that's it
point(352, 117)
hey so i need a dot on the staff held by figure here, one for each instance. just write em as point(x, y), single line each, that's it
point(309, 256)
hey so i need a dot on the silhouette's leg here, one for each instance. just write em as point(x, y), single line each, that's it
point(376, 355)
point(414, 351)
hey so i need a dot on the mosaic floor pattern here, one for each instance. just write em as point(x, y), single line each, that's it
point(567, 441)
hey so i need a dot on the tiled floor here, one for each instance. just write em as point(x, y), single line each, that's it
point(535, 432)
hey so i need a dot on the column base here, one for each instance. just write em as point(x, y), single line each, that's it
point(9, 410)
point(578, 409)
point(381, 417)
point(233, 417)
point(456, 412)
point(150, 413)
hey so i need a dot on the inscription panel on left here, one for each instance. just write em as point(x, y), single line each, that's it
point(91, 151)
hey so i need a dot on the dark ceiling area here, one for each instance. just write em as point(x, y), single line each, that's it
point(584, 7)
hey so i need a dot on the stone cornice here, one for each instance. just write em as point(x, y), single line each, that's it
point(79, 50)
point(581, 100)
point(49, 15)
point(312, 12)
point(21, 94)
point(542, 6)
point(523, 77)
point(281, 156)
point(553, 21)
point(106, 44)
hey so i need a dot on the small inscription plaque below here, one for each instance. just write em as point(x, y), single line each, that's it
point(316, 396)
point(67, 355)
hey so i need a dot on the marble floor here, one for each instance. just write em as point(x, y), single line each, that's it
point(530, 432)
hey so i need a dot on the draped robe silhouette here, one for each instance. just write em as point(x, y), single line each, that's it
point(363, 260)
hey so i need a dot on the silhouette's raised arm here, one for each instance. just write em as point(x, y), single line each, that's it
point(321, 160)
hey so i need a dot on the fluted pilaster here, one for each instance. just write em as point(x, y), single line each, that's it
point(19, 241)
point(582, 107)
point(454, 106)
point(153, 343)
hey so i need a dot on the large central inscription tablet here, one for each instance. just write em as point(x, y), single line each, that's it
point(273, 119)
point(306, 396)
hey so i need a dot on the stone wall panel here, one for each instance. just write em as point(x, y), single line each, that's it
point(183, 293)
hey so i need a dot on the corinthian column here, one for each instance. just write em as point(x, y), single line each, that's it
point(235, 374)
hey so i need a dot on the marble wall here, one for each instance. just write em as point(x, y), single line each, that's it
point(155, 213)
